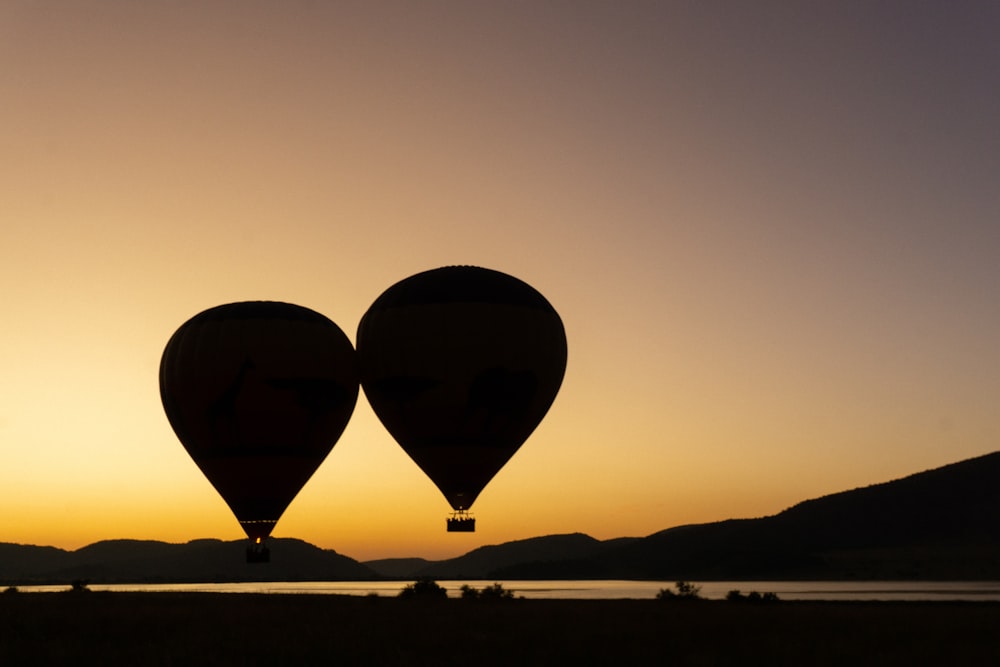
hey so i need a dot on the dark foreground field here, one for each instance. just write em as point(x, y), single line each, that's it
point(243, 629)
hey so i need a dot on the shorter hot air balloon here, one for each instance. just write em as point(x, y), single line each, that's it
point(461, 364)
point(258, 393)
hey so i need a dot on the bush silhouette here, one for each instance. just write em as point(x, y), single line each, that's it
point(79, 586)
point(752, 596)
point(685, 591)
point(425, 588)
point(494, 592)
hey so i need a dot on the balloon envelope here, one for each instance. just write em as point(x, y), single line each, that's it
point(258, 393)
point(461, 364)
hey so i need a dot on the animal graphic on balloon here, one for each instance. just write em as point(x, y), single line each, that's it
point(460, 364)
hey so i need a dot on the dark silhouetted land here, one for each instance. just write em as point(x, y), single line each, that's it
point(144, 561)
point(245, 629)
point(939, 524)
point(942, 524)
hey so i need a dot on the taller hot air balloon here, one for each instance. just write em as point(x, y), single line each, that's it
point(461, 364)
point(258, 393)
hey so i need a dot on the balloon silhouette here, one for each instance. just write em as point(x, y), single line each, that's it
point(461, 364)
point(258, 393)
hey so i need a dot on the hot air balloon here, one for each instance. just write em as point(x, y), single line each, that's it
point(258, 392)
point(461, 364)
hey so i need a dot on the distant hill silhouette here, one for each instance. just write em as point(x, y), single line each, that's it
point(536, 554)
point(134, 561)
point(398, 568)
point(939, 524)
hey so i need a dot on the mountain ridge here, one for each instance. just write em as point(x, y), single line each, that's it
point(198, 561)
point(942, 523)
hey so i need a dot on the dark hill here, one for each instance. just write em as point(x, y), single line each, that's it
point(958, 504)
point(23, 561)
point(486, 561)
point(939, 524)
point(134, 561)
point(398, 568)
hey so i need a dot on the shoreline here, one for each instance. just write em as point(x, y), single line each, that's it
point(573, 589)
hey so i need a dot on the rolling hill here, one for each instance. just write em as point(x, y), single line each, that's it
point(938, 524)
point(133, 561)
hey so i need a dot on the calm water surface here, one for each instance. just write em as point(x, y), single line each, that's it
point(605, 589)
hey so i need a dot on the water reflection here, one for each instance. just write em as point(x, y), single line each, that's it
point(604, 589)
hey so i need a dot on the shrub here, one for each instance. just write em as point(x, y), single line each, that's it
point(496, 592)
point(752, 596)
point(423, 587)
point(685, 591)
point(79, 586)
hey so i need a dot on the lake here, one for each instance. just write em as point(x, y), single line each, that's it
point(604, 589)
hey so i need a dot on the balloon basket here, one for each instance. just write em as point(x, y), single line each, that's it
point(258, 553)
point(461, 522)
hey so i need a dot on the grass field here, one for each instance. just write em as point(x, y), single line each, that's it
point(245, 629)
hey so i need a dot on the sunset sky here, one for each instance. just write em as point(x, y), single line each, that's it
point(772, 230)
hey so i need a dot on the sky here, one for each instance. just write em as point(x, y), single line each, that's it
point(770, 229)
